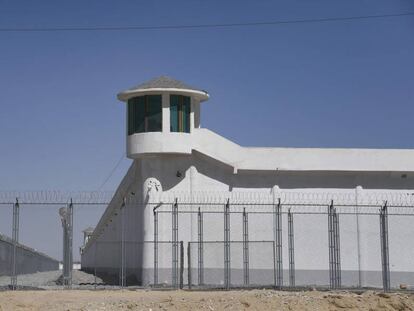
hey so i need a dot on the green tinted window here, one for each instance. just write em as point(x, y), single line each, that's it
point(180, 109)
point(154, 113)
point(145, 114)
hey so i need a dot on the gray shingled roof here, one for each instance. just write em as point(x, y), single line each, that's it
point(165, 82)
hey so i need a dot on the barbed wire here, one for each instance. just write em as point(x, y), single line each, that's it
point(56, 197)
point(322, 197)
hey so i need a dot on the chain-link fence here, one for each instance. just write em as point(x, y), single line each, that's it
point(126, 264)
point(181, 243)
point(248, 264)
point(40, 241)
point(296, 245)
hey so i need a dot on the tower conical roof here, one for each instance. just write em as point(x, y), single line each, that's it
point(165, 82)
point(160, 83)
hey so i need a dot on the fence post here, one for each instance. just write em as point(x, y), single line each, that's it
point(70, 243)
point(358, 194)
point(189, 265)
point(384, 247)
point(95, 262)
point(334, 248)
point(15, 240)
point(337, 249)
point(278, 231)
point(291, 247)
point(274, 266)
point(200, 248)
point(245, 248)
point(66, 215)
point(175, 244)
point(122, 271)
point(155, 247)
point(63, 214)
point(181, 264)
point(331, 247)
point(227, 276)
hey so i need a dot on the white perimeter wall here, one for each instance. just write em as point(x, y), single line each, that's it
point(197, 178)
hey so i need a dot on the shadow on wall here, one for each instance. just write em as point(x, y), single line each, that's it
point(318, 179)
point(166, 169)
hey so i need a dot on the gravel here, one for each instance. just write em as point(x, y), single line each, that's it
point(50, 279)
point(64, 300)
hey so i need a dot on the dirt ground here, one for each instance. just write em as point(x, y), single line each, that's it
point(209, 300)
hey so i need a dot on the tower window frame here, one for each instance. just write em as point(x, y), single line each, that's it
point(145, 114)
point(180, 111)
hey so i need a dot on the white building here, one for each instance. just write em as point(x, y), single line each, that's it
point(174, 157)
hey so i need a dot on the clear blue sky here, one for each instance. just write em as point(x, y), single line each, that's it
point(338, 84)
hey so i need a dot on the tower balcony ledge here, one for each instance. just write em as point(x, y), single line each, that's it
point(158, 142)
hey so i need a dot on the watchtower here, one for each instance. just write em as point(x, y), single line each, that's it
point(161, 116)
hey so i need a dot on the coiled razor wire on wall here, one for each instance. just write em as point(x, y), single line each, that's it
point(293, 196)
point(394, 198)
point(56, 197)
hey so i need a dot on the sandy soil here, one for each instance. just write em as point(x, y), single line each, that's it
point(49, 279)
point(214, 300)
